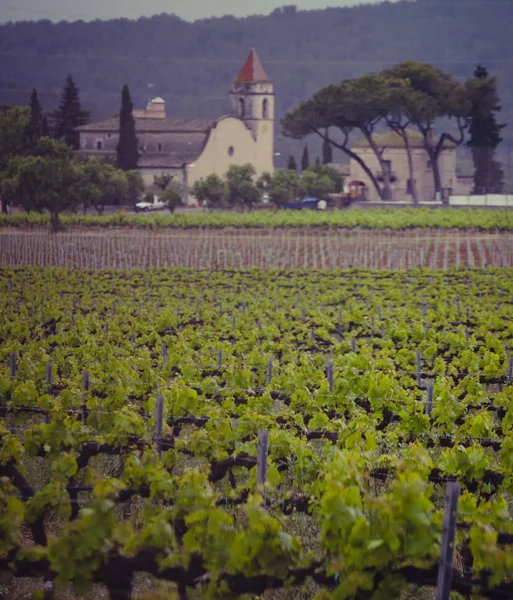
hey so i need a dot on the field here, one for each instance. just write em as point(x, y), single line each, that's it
point(375, 219)
point(126, 248)
point(136, 405)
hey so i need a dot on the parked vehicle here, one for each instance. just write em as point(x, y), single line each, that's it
point(146, 206)
point(309, 203)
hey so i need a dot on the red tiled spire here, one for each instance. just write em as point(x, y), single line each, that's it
point(252, 71)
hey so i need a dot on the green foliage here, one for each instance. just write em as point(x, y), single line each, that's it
point(69, 115)
point(291, 163)
point(135, 186)
point(172, 197)
point(321, 180)
point(163, 180)
point(485, 133)
point(355, 474)
point(100, 184)
point(241, 188)
point(373, 219)
point(127, 151)
point(210, 190)
point(284, 186)
point(46, 180)
point(305, 160)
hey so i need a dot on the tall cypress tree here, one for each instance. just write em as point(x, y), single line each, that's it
point(127, 150)
point(69, 115)
point(291, 163)
point(327, 150)
point(485, 135)
point(305, 160)
point(37, 127)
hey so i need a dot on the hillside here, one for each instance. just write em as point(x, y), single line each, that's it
point(192, 64)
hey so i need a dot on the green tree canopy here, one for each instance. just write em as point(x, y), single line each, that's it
point(291, 163)
point(13, 127)
point(47, 180)
point(305, 159)
point(172, 197)
point(211, 189)
point(284, 186)
point(38, 125)
point(241, 188)
point(135, 186)
point(69, 115)
point(127, 151)
point(485, 132)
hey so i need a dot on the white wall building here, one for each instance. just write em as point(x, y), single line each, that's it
point(193, 148)
point(394, 152)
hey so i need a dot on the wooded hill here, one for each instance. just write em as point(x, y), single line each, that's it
point(192, 64)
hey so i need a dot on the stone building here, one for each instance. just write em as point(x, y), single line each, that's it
point(193, 148)
point(396, 157)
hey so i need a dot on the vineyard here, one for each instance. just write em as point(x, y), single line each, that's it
point(374, 219)
point(299, 248)
point(255, 433)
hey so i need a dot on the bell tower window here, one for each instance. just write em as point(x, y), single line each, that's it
point(265, 108)
point(242, 107)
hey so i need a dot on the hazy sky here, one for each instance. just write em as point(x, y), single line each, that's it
point(17, 10)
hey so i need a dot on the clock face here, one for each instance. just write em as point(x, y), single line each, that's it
point(264, 129)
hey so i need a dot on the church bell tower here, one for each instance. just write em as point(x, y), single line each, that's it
point(252, 100)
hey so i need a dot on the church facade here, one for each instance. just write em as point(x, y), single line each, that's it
point(190, 149)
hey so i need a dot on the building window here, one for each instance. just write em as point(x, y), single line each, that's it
point(109, 135)
point(388, 166)
point(265, 108)
point(98, 145)
point(159, 146)
point(242, 107)
point(231, 150)
point(409, 187)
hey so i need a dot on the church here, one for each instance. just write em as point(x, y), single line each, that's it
point(190, 149)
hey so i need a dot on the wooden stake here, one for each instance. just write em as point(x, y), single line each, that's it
point(443, 587)
point(429, 399)
point(263, 448)
point(12, 365)
point(159, 418)
point(49, 381)
point(269, 372)
point(330, 376)
point(85, 387)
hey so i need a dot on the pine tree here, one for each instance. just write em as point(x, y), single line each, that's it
point(69, 115)
point(127, 150)
point(327, 150)
point(291, 163)
point(38, 126)
point(485, 136)
point(305, 160)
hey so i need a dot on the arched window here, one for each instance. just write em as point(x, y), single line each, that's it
point(242, 107)
point(265, 108)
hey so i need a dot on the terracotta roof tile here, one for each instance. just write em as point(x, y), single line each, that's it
point(252, 71)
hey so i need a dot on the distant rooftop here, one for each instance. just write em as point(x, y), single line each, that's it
point(391, 139)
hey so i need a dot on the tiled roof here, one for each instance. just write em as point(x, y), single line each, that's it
point(184, 148)
point(252, 71)
point(169, 124)
point(391, 139)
